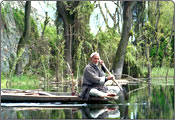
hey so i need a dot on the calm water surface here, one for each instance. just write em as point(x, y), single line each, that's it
point(148, 102)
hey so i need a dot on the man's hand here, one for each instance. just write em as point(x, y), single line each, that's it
point(110, 77)
point(101, 61)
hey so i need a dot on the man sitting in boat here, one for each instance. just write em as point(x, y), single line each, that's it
point(94, 80)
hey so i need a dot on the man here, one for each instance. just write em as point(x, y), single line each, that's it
point(94, 80)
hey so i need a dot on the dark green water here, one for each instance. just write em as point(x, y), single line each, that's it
point(149, 102)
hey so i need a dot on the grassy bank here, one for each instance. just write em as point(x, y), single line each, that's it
point(24, 82)
point(161, 72)
point(162, 75)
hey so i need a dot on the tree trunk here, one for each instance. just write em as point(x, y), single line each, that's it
point(139, 23)
point(68, 23)
point(24, 38)
point(46, 21)
point(156, 36)
point(61, 8)
point(120, 54)
point(148, 61)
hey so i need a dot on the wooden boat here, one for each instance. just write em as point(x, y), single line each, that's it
point(9, 95)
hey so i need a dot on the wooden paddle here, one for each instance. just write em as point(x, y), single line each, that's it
point(114, 78)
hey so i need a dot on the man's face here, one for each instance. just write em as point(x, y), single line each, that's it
point(95, 59)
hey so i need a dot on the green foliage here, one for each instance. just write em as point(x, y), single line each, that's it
point(13, 65)
point(158, 75)
point(107, 43)
point(19, 18)
point(166, 18)
point(19, 115)
point(132, 66)
point(34, 34)
point(61, 114)
point(131, 33)
point(162, 35)
point(47, 55)
point(161, 72)
point(56, 45)
point(78, 115)
point(83, 40)
point(3, 80)
point(4, 11)
point(148, 28)
point(51, 34)
point(78, 58)
point(158, 38)
point(84, 10)
point(24, 82)
point(41, 52)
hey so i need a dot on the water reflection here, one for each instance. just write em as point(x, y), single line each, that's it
point(159, 99)
point(152, 102)
point(40, 113)
point(61, 112)
point(101, 111)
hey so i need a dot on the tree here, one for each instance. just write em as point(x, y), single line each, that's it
point(75, 18)
point(24, 38)
point(65, 11)
point(120, 54)
point(115, 16)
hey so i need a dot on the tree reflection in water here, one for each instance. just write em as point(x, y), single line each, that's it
point(89, 111)
point(152, 102)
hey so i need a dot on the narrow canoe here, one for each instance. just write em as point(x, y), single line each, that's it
point(35, 96)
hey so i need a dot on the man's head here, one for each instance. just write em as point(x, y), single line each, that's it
point(95, 58)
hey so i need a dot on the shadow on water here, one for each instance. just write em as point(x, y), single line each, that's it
point(150, 102)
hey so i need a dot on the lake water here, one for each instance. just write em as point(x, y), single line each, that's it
point(147, 102)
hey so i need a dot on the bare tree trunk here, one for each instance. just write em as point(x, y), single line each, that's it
point(24, 37)
point(120, 54)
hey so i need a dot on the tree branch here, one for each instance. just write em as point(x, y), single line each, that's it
point(106, 21)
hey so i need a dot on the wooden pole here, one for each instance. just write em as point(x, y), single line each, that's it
point(112, 79)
